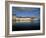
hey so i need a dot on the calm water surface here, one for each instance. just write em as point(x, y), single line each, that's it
point(21, 26)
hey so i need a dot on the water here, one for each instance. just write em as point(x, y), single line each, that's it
point(21, 26)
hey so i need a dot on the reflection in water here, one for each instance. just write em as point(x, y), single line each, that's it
point(26, 25)
point(23, 21)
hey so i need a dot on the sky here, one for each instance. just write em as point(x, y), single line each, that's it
point(26, 11)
